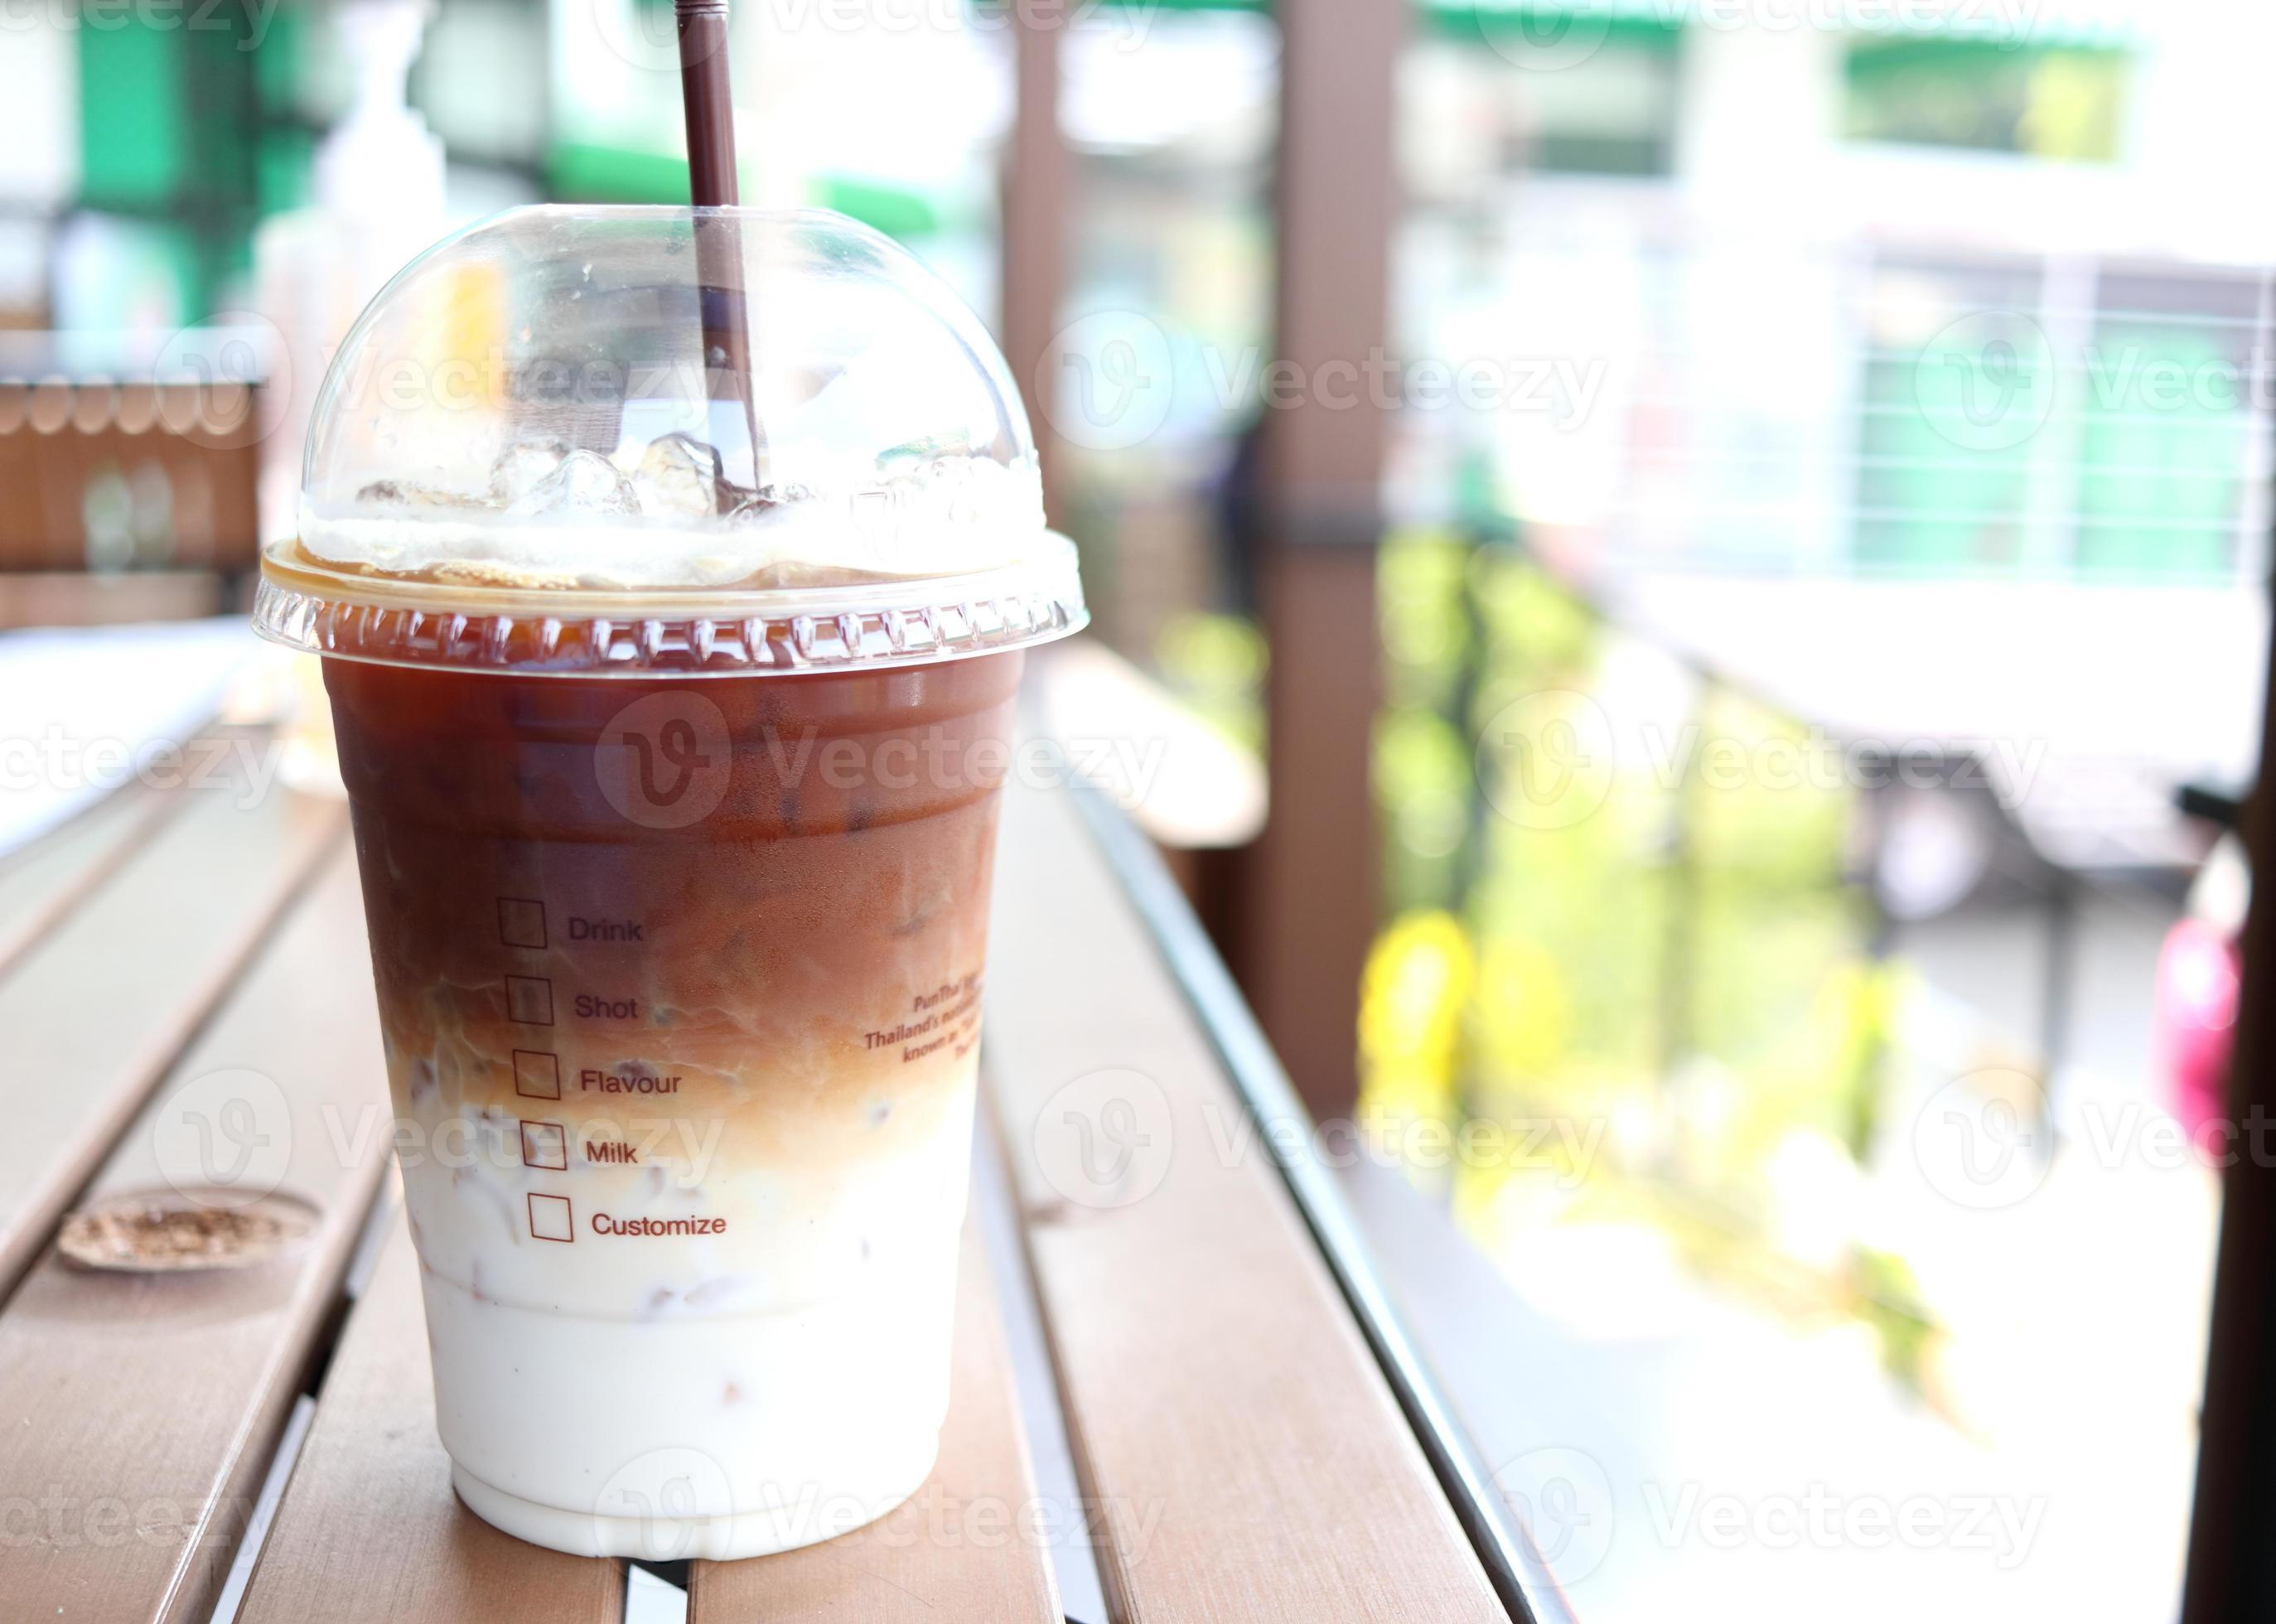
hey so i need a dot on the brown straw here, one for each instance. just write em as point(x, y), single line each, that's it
point(710, 109)
point(718, 242)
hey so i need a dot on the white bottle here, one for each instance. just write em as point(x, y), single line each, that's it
point(377, 200)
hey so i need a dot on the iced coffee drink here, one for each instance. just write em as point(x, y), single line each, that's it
point(674, 767)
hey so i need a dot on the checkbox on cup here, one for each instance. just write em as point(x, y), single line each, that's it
point(545, 1144)
point(550, 1218)
point(537, 1075)
point(530, 999)
point(521, 922)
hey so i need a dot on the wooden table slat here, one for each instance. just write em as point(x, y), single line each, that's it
point(1245, 1454)
point(967, 1549)
point(99, 1007)
point(42, 882)
point(139, 1411)
point(1241, 1454)
point(369, 1532)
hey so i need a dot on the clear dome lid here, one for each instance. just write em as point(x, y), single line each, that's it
point(644, 440)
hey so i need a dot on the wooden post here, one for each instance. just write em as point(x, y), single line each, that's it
point(1308, 899)
point(2232, 1567)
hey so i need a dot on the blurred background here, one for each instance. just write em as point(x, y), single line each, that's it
point(1701, 568)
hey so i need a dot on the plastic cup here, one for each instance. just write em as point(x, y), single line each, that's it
point(675, 802)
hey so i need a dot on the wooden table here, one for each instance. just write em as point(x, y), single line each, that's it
point(1238, 1423)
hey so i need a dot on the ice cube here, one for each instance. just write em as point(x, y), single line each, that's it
point(586, 485)
point(964, 489)
point(521, 467)
point(751, 508)
point(678, 477)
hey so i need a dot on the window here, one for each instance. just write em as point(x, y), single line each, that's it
point(1986, 95)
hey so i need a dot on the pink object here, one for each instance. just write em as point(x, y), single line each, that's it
point(2198, 972)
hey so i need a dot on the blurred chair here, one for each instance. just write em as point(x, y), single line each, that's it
point(1197, 794)
point(127, 501)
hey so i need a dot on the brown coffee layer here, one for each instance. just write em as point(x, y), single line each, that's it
point(763, 899)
